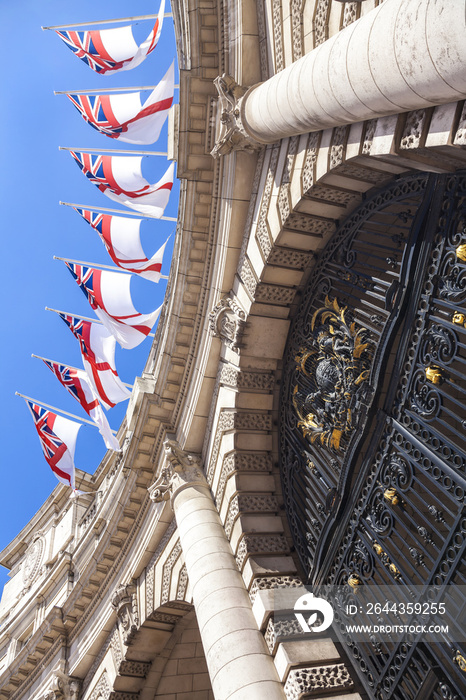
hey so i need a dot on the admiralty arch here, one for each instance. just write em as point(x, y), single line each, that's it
point(300, 418)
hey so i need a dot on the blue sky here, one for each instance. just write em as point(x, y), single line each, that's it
point(34, 177)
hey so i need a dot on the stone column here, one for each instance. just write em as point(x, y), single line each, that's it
point(240, 666)
point(401, 56)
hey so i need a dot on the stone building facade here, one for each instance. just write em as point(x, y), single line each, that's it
point(320, 149)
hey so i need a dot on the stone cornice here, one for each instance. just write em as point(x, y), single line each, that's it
point(29, 662)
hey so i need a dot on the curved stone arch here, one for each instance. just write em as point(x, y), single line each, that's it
point(311, 184)
point(180, 665)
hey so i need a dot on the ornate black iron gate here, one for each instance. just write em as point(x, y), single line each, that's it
point(373, 422)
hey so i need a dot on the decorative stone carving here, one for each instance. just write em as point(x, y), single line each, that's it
point(102, 689)
point(124, 602)
point(225, 422)
point(247, 277)
point(167, 571)
point(275, 294)
point(233, 512)
point(33, 560)
point(234, 377)
point(320, 679)
point(357, 172)
point(284, 202)
point(74, 688)
point(165, 618)
point(183, 469)
point(337, 148)
point(321, 21)
point(56, 689)
point(265, 583)
point(150, 579)
point(182, 583)
point(249, 503)
point(414, 126)
point(260, 544)
point(231, 134)
point(460, 136)
point(369, 133)
point(281, 627)
point(333, 195)
point(226, 321)
point(350, 13)
point(262, 229)
point(314, 225)
point(91, 512)
point(278, 34)
point(135, 669)
point(124, 449)
point(287, 257)
point(308, 174)
point(297, 28)
point(253, 421)
point(241, 461)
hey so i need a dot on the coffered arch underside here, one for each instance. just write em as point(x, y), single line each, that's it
point(304, 188)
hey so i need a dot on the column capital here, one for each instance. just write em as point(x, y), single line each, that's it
point(181, 470)
point(231, 134)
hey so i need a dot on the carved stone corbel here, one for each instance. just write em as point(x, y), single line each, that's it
point(231, 134)
point(62, 687)
point(124, 602)
point(56, 689)
point(74, 688)
point(182, 469)
point(124, 448)
point(226, 321)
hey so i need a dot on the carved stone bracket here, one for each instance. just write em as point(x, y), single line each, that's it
point(226, 321)
point(231, 134)
point(320, 678)
point(182, 469)
point(56, 689)
point(62, 687)
point(124, 602)
point(134, 669)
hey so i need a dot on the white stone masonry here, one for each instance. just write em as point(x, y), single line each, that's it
point(240, 666)
point(401, 56)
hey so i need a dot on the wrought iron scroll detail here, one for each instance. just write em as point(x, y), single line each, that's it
point(332, 370)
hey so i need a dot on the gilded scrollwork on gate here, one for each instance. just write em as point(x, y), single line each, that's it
point(332, 370)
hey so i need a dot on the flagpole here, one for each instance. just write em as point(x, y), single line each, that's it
point(105, 90)
point(166, 15)
point(99, 265)
point(113, 150)
point(55, 362)
point(85, 318)
point(118, 211)
point(65, 413)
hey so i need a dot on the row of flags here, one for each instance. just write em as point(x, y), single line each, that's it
point(123, 116)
